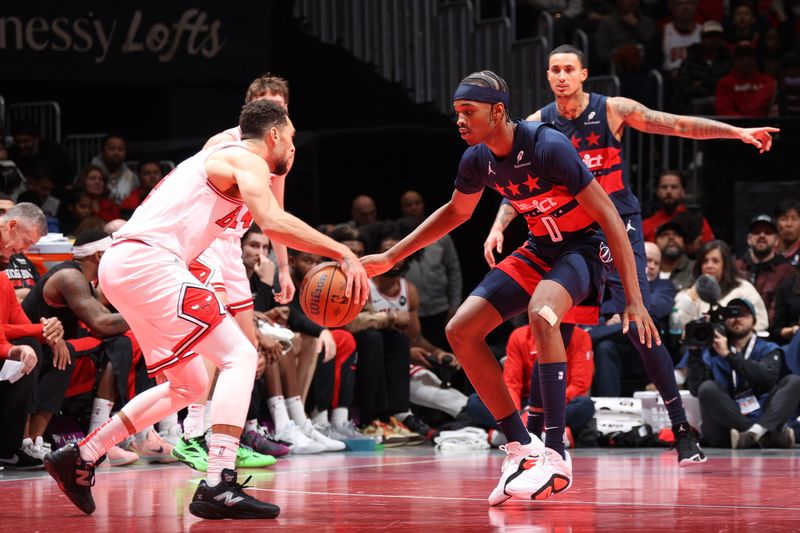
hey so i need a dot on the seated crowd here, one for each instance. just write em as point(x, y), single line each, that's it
point(390, 376)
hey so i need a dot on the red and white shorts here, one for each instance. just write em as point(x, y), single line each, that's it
point(168, 310)
point(220, 266)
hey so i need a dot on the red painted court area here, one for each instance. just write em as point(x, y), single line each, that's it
point(418, 489)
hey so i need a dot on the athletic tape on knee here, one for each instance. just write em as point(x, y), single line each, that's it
point(548, 314)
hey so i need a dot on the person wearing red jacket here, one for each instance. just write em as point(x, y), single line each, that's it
point(518, 374)
point(744, 91)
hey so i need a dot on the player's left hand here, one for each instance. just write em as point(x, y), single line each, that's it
point(648, 332)
point(376, 264)
point(287, 291)
point(758, 137)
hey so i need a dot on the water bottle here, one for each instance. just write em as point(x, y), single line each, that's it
point(675, 323)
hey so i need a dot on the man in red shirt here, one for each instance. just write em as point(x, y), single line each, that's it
point(745, 92)
point(671, 195)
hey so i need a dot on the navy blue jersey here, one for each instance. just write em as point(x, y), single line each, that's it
point(599, 149)
point(540, 178)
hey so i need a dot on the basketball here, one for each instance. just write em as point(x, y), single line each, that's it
point(322, 296)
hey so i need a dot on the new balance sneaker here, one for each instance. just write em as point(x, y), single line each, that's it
point(263, 442)
point(21, 460)
point(541, 476)
point(689, 450)
point(120, 457)
point(248, 458)
point(313, 433)
point(416, 425)
point(517, 459)
point(299, 442)
point(192, 452)
point(384, 434)
point(228, 500)
point(153, 448)
point(75, 477)
point(412, 438)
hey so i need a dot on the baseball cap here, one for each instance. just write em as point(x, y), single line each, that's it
point(763, 219)
point(711, 26)
point(671, 225)
point(743, 302)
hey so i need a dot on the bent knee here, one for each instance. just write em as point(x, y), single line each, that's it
point(543, 319)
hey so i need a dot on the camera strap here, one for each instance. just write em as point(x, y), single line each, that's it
point(747, 351)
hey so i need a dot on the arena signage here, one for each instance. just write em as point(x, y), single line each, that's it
point(118, 41)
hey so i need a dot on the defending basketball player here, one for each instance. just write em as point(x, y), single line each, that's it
point(175, 318)
point(563, 262)
point(595, 124)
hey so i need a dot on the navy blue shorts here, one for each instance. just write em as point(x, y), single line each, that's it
point(580, 270)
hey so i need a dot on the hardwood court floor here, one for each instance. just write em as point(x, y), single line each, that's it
point(418, 489)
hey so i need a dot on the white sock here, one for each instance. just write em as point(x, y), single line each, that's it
point(757, 430)
point(101, 411)
point(339, 417)
point(251, 425)
point(101, 439)
point(141, 436)
point(277, 409)
point(321, 418)
point(193, 423)
point(207, 416)
point(167, 425)
point(221, 454)
point(296, 410)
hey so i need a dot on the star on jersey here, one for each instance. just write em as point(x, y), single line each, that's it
point(531, 183)
point(593, 139)
point(576, 141)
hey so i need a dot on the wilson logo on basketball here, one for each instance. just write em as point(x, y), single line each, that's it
point(316, 295)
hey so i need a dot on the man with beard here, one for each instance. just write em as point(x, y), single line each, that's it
point(738, 383)
point(761, 264)
point(675, 264)
point(671, 195)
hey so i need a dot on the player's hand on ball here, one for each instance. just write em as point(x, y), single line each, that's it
point(648, 332)
point(759, 137)
point(376, 264)
point(287, 291)
point(357, 280)
point(494, 241)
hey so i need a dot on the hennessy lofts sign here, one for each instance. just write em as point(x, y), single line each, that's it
point(144, 41)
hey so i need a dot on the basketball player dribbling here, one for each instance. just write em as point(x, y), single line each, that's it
point(175, 318)
point(563, 262)
point(595, 124)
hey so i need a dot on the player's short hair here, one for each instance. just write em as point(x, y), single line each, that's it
point(90, 235)
point(568, 49)
point(259, 116)
point(672, 172)
point(267, 82)
point(490, 80)
point(29, 214)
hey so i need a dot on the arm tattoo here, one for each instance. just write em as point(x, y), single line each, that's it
point(505, 215)
point(640, 117)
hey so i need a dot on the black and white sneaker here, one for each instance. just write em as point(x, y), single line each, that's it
point(21, 460)
point(228, 500)
point(689, 451)
point(74, 475)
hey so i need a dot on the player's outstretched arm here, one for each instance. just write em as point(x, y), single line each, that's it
point(625, 111)
point(437, 225)
point(597, 203)
point(494, 241)
point(251, 177)
point(281, 254)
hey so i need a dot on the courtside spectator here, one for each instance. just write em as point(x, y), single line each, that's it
point(111, 160)
point(34, 155)
point(744, 91)
point(94, 182)
point(675, 264)
point(671, 198)
point(706, 63)
point(150, 173)
point(788, 217)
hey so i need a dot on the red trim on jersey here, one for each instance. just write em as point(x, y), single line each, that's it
point(238, 307)
point(128, 240)
point(152, 371)
point(237, 201)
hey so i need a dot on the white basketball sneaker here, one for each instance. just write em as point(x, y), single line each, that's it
point(517, 457)
point(541, 478)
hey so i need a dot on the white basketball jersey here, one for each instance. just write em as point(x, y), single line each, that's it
point(244, 219)
point(185, 212)
point(381, 302)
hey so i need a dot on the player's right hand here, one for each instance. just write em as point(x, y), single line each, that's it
point(376, 264)
point(759, 137)
point(61, 355)
point(25, 355)
point(357, 278)
point(494, 241)
point(648, 332)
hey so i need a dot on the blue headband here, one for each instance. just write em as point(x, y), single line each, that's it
point(480, 94)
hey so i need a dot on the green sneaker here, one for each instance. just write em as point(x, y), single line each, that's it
point(248, 458)
point(192, 452)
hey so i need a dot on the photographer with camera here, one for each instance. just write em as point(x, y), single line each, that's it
point(746, 394)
